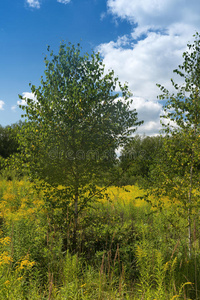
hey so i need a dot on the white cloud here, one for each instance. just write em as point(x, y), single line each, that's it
point(2, 103)
point(26, 95)
point(146, 109)
point(150, 52)
point(64, 1)
point(33, 3)
point(146, 63)
point(156, 13)
point(149, 112)
point(36, 3)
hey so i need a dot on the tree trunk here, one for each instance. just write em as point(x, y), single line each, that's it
point(75, 219)
point(190, 200)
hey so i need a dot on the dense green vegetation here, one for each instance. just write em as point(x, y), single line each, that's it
point(76, 221)
point(125, 249)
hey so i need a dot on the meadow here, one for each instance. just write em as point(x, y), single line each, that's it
point(129, 246)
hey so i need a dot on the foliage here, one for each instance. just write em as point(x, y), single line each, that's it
point(8, 141)
point(138, 158)
point(77, 117)
point(130, 243)
point(180, 172)
point(11, 161)
point(8, 144)
point(111, 232)
point(2, 162)
point(75, 124)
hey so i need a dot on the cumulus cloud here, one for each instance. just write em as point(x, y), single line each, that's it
point(156, 14)
point(145, 63)
point(64, 1)
point(150, 52)
point(2, 103)
point(146, 109)
point(149, 112)
point(33, 3)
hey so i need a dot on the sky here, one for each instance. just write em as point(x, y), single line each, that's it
point(141, 40)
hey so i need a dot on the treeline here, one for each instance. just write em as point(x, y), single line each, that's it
point(8, 140)
point(135, 165)
point(135, 162)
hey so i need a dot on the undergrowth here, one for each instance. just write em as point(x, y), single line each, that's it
point(127, 248)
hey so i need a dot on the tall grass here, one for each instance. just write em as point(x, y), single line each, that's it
point(127, 248)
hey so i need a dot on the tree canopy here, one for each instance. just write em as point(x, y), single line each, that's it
point(78, 119)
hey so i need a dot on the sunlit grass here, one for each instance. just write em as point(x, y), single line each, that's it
point(26, 244)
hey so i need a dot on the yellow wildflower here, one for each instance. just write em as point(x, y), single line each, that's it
point(7, 282)
point(5, 258)
point(83, 285)
point(25, 262)
point(5, 241)
point(20, 278)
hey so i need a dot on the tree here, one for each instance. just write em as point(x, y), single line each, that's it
point(8, 142)
point(74, 127)
point(180, 174)
point(138, 158)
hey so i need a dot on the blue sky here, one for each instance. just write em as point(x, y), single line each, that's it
point(142, 40)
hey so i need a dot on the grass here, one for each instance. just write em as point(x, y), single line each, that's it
point(127, 248)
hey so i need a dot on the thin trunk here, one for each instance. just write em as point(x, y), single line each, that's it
point(190, 201)
point(189, 211)
point(195, 259)
point(50, 285)
point(75, 219)
point(76, 194)
point(189, 234)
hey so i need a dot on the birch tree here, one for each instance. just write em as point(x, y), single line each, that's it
point(181, 125)
point(75, 123)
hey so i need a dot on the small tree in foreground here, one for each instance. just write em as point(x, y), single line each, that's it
point(180, 176)
point(76, 124)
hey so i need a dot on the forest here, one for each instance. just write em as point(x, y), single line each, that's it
point(78, 221)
